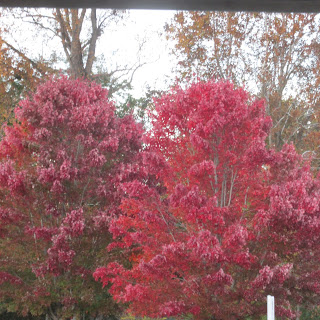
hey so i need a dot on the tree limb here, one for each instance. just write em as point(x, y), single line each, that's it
point(34, 64)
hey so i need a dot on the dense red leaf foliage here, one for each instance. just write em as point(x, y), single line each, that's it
point(236, 222)
point(62, 171)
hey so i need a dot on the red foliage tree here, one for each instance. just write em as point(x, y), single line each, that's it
point(213, 244)
point(61, 171)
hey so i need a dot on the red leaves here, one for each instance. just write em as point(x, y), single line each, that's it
point(202, 169)
point(6, 277)
point(234, 223)
point(173, 308)
point(73, 223)
point(61, 183)
point(277, 275)
point(10, 178)
point(43, 233)
point(200, 230)
point(95, 159)
point(219, 278)
point(137, 189)
point(207, 218)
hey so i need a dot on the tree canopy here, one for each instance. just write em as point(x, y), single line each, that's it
point(235, 222)
point(62, 167)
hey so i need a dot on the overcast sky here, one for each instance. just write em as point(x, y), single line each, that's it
point(122, 43)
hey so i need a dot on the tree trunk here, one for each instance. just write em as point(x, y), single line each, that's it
point(70, 25)
point(298, 312)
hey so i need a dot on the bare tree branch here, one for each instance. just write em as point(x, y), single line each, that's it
point(93, 41)
point(34, 64)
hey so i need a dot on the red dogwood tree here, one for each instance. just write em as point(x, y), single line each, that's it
point(236, 222)
point(62, 166)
